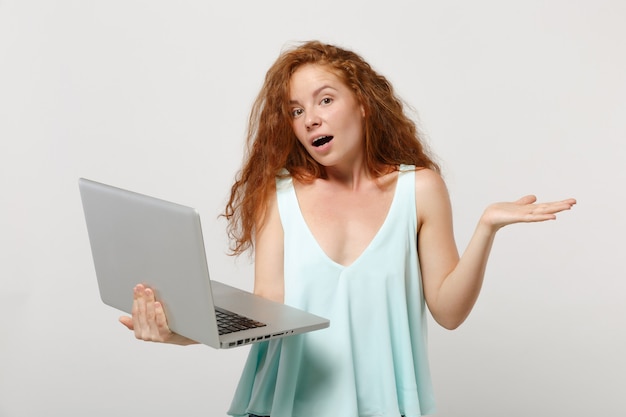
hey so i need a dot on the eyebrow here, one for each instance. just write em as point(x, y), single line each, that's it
point(315, 93)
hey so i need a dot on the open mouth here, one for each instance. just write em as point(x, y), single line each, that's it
point(322, 140)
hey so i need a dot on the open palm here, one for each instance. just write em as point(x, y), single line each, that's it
point(524, 210)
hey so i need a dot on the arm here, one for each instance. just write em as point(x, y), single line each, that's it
point(452, 283)
point(268, 255)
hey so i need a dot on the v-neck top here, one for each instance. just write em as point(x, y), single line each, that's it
point(372, 360)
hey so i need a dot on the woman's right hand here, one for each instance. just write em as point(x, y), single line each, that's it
point(148, 320)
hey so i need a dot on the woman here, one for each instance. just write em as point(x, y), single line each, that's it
point(349, 219)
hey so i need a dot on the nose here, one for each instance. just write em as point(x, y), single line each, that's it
point(312, 120)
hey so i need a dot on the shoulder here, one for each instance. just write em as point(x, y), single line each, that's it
point(267, 217)
point(271, 215)
point(428, 181)
point(431, 195)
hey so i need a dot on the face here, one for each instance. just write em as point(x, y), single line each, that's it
point(326, 116)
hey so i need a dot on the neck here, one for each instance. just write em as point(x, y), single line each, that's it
point(350, 177)
point(353, 177)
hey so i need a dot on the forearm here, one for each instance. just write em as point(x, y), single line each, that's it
point(457, 293)
point(459, 290)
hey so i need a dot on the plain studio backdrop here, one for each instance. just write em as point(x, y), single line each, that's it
point(513, 98)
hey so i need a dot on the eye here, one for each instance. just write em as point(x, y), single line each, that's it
point(326, 100)
point(296, 112)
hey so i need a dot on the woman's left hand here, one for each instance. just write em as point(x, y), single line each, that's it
point(524, 210)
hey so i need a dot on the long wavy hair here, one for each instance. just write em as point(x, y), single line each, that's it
point(391, 137)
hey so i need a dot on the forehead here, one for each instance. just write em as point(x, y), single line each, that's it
point(312, 76)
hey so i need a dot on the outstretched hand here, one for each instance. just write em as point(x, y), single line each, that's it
point(524, 210)
point(148, 320)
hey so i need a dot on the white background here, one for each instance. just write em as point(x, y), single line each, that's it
point(513, 97)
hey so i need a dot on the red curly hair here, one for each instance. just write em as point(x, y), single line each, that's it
point(391, 138)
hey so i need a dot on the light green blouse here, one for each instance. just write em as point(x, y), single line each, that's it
point(372, 360)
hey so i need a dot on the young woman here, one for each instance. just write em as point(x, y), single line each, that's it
point(349, 219)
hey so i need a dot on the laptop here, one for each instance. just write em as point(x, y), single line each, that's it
point(136, 239)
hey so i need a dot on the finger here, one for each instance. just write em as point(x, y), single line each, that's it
point(142, 328)
point(136, 312)
point(566, 204)
point(153, 331)
point(548, 211)
point(527, 199)
point(570, 201)
point(127, 321)
point(161, 321)
point(540, 217)
point(159, 330)
point(556, 206)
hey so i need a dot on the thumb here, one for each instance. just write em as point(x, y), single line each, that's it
point(528, 199)
point(128, 322)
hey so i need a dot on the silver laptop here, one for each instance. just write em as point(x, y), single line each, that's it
point(140, 239)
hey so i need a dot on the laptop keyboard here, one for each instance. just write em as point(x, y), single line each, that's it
point(229, 322)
